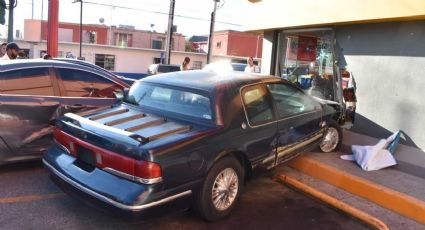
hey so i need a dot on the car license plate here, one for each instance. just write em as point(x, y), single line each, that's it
point(86, 155)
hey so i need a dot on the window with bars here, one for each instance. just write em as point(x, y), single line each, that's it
point(105, 61)
point(123, 40)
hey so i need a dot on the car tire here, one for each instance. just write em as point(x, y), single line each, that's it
point(226, 172)
point(331, 139)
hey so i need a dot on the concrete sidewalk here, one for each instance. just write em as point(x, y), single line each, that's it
point(396, 195)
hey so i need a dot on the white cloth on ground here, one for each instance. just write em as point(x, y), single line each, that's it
point(374, 157)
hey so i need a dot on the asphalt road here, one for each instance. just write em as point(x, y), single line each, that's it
point(29, 200)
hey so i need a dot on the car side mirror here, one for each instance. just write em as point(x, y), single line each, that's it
point(120, 94)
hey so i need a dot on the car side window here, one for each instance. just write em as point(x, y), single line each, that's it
point(30, 81)
point(78, 83)
point(257, 104)
point(290, 101)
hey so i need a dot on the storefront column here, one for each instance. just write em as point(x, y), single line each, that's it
point(269, 54)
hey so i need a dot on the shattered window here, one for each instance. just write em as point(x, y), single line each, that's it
point(307, 60)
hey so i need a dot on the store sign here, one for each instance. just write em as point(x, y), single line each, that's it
point(307, 47)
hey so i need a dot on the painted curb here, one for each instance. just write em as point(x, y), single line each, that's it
point(363, 216)
point(388, 198)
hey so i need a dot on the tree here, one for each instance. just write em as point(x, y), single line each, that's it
point(2, 12)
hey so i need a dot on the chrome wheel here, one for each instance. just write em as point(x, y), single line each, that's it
point(225, 189)
point(331, 140)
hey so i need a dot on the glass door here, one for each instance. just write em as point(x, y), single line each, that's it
point(306, 58)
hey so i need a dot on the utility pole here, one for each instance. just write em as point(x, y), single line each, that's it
point(210, 40)
point(12, 5)
point(169, 42)
point(81, 28)
point(42, 7)
point(81, 25)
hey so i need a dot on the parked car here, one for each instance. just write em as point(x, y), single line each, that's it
point(33, 93)
point(224, 66)
point(238, 66)
point(187, 136)
point(162, 68)
point(127, 80)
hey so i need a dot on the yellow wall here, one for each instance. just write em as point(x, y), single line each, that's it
point(272, 14)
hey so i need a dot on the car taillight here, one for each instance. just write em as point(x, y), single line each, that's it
point(146, 172)
point(64, 141)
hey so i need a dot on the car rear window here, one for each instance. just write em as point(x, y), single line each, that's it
point(171, 100)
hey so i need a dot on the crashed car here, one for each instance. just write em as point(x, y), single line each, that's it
point(33, 93)
point(187, 136)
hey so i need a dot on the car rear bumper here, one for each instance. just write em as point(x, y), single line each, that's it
point(100, 187)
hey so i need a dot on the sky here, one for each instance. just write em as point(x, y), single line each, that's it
point(192, 17)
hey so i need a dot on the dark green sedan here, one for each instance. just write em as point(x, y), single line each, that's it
point(186, 139)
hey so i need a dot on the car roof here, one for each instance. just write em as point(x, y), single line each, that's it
point(24, 63)
point(31, 63)
point(208, 80)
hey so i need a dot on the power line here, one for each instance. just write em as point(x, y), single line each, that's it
point(159, 12)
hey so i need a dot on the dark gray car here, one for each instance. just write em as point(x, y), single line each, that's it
point(33, 93)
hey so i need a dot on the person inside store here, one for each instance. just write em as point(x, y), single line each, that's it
point(3, 49)
point(12, 50)
point(185, 64)
point(251, 67)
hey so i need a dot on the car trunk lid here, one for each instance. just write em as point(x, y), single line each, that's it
point(115, 140)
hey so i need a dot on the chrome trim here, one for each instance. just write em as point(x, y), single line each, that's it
point(112, 202)
point(62, 146)
point(281, 151)
point(47, 96)
point(27, 67)
point(131, 177)
point(286, 149)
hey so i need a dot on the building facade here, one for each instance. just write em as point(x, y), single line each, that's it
point(130, 37)
point(380, 43)
point(122, 36)
point(230, 43)
point(235, 43)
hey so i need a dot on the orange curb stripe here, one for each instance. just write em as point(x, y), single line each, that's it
point(396, 201)
point(363, 216)
point(30, 198)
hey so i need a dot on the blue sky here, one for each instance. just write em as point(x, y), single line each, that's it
point(192, 16)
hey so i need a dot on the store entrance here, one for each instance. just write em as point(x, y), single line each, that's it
point(307, 59)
